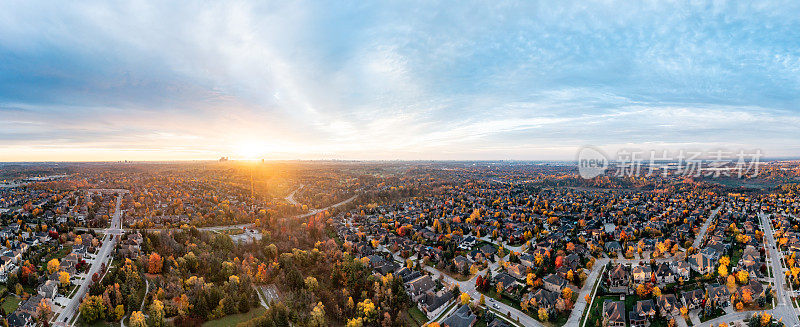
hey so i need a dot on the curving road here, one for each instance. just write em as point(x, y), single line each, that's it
point(290, 198)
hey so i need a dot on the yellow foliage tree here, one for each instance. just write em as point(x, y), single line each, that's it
point(464, 298)
point(53, 265)
point(358, 322)
point(543, 314)
point(63, 277)
point(731, 282)
point(742, 276)
point(567, 293)
point(137, 319)
point(766, 318)
point(722, 270)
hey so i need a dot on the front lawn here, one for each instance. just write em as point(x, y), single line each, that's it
point(717, 313)
point(595, 312)
point(233, 320)
point(418, 316)
point(10, 303)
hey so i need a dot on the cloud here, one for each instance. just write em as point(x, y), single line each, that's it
point(519, 80)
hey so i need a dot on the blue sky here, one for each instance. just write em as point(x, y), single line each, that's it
point(148, 80)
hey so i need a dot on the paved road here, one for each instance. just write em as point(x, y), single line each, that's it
point(581, 305)
point(146, 290)
point(109, 242)
point(784, 309)
point(469, 288)
point(704, 229)
point(728, 318)
point(526, 320)
point(308, 214)
point(119, 230)
point(290, 197)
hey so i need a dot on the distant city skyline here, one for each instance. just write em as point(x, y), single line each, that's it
point(148, 80)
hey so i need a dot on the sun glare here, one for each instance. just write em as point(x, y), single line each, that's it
point(251, 150)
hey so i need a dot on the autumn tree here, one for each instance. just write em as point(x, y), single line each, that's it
point(766, 318)
point(119, 311)
point(311, 283)
point(642, 290)
point(543, 314)
point(154, 263)
point(92, 308)
point(137, 319)
point(743, 276)
point(731, 282)
point(63, 277)
point(367, 310)
point(464, 298)
point(52, 266)
point(656, 291)
point(43, 312)
point(157, 313)
point(567, 294)
point(317, 317)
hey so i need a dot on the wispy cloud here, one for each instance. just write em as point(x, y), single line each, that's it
point(523, 80)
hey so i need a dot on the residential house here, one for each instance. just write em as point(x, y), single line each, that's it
point(718, 295)
point(618, 279)
point(418, 287)
point(642, 274)
point(645, 308)
point(433, 301)
point(545, 299)
point(701, 263)
point(517, 270)
point(463, 317)
point(554, 283)
point(506, 280)
point(681, 269)
point(664, 274)
point(693, 299)
point(613, 313)
point(668, 305)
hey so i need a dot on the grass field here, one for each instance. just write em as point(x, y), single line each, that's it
point(232, 320)
point(10, 304)
point(419, 317)
point(82, 323)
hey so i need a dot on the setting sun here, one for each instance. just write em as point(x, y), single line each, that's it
point(251, 150)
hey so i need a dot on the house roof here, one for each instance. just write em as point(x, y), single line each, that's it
point(462, 317)
point(555, 280)
point(614, 311)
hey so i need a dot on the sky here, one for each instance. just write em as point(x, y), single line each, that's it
point(450, 80)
